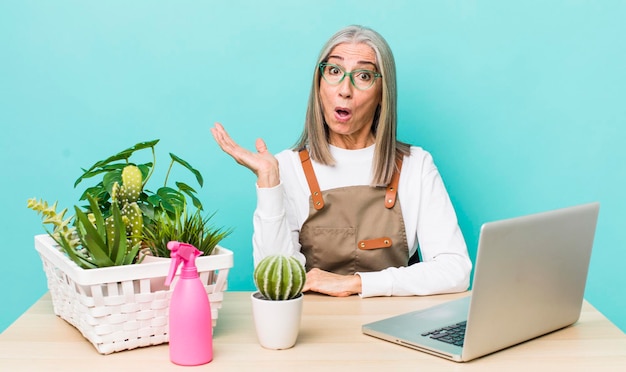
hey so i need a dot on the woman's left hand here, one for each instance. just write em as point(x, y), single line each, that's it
point(332, 284)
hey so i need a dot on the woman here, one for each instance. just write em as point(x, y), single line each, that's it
point(349, 200)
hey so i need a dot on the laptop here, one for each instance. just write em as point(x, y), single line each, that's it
point(529, 280)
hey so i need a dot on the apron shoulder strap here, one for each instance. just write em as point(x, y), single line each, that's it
point(316, 194)
point(392, 188)
point(307, 166)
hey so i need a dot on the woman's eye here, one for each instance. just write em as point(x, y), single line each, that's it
point(334, 70)
point(365, 75)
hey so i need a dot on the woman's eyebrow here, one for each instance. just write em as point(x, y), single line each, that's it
point(358, 62)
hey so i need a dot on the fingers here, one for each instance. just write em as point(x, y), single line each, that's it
point(332, 284)
point(228, 145)
point(218, 130)
point(261, 147)
point(222, 138)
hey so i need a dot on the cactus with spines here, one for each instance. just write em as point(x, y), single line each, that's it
point(279, 277)
point(133, 219)
point(131, 184)
point(133, 222)
point(126, 196)
point(131, 187)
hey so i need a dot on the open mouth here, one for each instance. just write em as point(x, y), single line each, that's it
point(342, 113)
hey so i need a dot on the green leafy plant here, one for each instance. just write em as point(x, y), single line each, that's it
point(164, 199)
point(187, 227)
point(122, 215)
point(279, 277)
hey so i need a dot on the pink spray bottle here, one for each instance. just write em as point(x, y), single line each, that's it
point(190, 323)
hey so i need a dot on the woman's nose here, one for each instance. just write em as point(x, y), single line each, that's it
point(345, 88)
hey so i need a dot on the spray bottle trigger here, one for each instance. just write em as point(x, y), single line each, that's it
point(176, 260)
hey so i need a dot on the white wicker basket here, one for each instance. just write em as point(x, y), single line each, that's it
point(114, 307)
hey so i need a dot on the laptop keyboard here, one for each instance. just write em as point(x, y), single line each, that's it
point(453, 334)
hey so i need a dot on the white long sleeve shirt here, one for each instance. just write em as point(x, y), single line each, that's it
point(429, 218)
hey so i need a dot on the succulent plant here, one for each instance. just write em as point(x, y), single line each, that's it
point(62, 228)
point(92, 241)
point(105, 241)
point(279, 277)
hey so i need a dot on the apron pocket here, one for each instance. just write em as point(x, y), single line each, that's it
point(337, 253)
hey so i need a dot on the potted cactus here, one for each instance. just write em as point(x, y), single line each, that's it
point(277, 305)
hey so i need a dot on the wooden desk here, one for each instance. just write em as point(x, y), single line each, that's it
point(330, 339)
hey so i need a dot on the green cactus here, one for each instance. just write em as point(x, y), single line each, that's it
point(131, 183)
point(133, 219)
point(126, 196)
point(131, 187)
point(116, 192)
point(279, 277)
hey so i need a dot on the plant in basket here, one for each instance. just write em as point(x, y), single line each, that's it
point(183, 226)
point(87, 256)
point(119, 205)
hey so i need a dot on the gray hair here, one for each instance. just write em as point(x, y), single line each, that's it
point(315, 132)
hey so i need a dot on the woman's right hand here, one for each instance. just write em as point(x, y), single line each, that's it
point(262, 163)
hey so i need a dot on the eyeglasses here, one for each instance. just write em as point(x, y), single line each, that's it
point(361, 79)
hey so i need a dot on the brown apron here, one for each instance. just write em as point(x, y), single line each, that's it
point(353, 229)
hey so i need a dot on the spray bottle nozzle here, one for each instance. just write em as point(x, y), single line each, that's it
point(181, 253)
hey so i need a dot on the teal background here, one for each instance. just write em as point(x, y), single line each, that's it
point(520, 103)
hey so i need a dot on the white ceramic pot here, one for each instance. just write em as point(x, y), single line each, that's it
point(277, 323)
